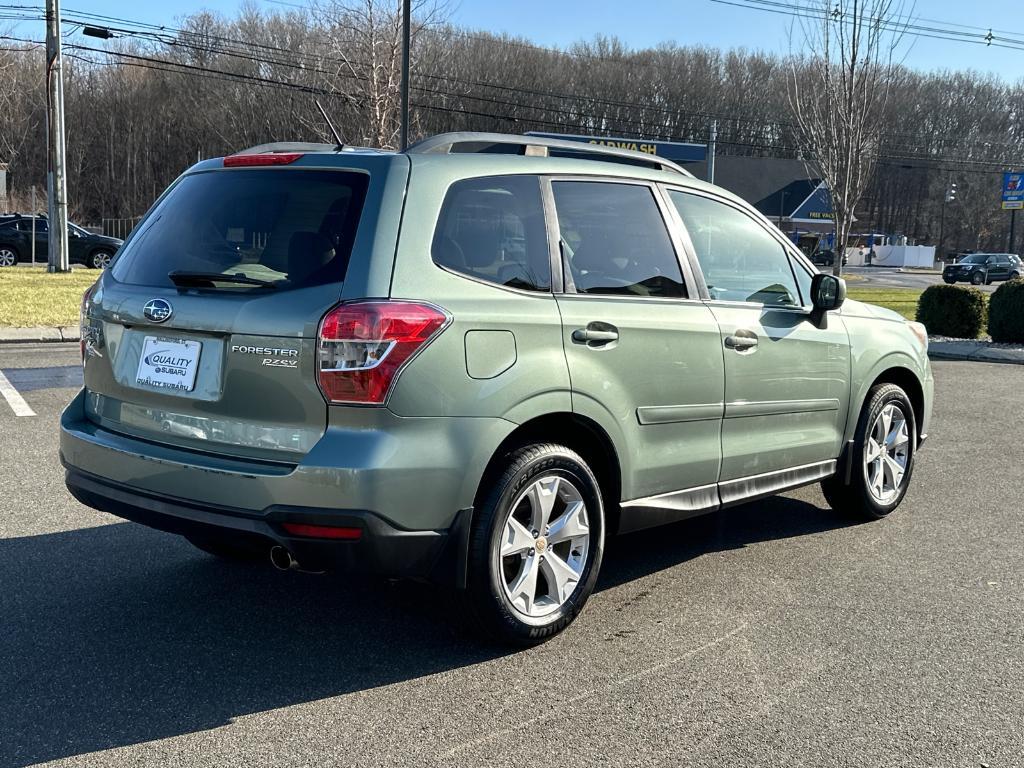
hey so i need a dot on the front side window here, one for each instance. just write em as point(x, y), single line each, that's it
point(740, 260)
point(492, 229)
point(614, 240)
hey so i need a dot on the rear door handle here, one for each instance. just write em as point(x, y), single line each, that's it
point(741, 340)
point(596, 334)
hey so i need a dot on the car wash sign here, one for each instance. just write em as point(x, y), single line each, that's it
point(676, 151)
point(815, 208)
point(1013, 191)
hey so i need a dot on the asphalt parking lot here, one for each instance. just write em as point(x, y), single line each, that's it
point(884, 277)
point(773, 634)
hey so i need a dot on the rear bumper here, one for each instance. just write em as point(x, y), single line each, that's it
point(407, 483)
point(382, 548)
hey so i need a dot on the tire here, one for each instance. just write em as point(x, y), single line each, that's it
point(977, 278)
point(948, 281)
point(1015, 275)
point(516, 598)
point(100, 259)
point(8, 256)
point(861, 497)
point(228, 550)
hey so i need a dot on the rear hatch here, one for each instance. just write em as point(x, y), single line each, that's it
point(203, 332)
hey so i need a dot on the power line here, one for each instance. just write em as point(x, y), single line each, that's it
point(640, 124)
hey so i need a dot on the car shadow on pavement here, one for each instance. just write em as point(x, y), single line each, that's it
point(117, 635)
point(639, 554)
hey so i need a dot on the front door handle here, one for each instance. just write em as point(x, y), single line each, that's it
point(741, 340)
point(596, 334)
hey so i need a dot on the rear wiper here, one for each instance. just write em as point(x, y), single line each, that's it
point(209, 279)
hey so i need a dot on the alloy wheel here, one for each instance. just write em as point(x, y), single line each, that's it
point(544, 544)
point(887, 453)
point(7, 257)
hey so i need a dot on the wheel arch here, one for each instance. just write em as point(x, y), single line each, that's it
point(578, 433)
point(907, 380)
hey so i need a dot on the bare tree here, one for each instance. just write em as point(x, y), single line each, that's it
point(839, 93)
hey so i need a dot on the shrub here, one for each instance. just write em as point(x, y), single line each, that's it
point(1006, 313)
point(952, 310)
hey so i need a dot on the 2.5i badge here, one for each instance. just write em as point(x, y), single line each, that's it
point(273, 357)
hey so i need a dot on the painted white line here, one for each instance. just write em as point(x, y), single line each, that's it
point(14, 398)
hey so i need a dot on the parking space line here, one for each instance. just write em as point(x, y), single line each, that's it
point(14, 398)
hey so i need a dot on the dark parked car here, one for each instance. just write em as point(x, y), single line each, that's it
point(979, 268)
point(826, 258)
point(84, 247)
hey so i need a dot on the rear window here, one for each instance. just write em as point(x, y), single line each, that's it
point(283, 228)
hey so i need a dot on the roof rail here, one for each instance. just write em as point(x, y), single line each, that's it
point(471, 141)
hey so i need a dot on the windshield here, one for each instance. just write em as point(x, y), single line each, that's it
point(977, 258)
point(290, 228)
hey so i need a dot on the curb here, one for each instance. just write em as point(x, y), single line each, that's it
point(61, 333)
point(975, 352)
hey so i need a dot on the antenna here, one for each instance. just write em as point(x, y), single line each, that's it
point(337, 138)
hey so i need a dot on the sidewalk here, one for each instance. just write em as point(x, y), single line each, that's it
point(39, 333)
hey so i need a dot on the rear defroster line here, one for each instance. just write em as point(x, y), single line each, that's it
point(14, 398)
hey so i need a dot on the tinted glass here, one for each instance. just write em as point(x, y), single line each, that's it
point(25, 225)
point(493, 229)
point(740, 260)
point(614, 240)
point(292, 228)
point(974, 259)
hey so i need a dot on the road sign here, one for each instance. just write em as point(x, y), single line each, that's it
point(1013, 191)
point(677, 151)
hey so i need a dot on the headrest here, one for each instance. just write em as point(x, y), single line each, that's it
point(307, 252)
point(479, 243)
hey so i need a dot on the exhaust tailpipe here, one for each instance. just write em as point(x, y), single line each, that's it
point(282, 559)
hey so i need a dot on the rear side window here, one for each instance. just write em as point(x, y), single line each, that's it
point(492, 229)
point(615, 241)
point(289, 228)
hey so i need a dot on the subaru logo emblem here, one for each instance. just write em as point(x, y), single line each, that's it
point(157, 310)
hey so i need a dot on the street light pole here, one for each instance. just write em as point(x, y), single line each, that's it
point(56, 180)
point(712, 140)
point(406, 35)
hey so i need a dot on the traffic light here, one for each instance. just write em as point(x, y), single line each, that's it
point(951, 192)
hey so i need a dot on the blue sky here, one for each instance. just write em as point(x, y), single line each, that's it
point(641, 23)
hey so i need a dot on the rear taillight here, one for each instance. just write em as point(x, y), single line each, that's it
point(275, 158)
point(83, 321)
point(364, 345)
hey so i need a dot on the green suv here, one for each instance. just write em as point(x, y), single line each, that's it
point(472, 362)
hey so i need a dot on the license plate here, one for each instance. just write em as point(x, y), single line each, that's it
point(168, 363)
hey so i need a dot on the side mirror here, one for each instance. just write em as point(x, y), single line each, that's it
point(828, 292)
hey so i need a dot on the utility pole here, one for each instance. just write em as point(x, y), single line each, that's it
point(406, 34)
point(56, 181)
point(1013, 229)
point(948, 197)
point(711, 151)
point(34, 212)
